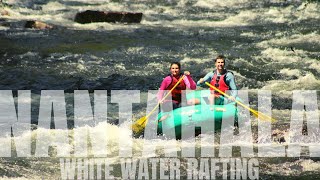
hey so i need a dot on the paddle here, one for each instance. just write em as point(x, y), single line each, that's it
point(140, 124)
point(258, 114)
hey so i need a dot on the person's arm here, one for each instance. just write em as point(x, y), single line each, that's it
point(189, 81)
point(206, 78)
point(232, 84)
point(165, 83)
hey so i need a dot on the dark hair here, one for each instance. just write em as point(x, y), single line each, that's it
point(220, 57)
point(177, 63)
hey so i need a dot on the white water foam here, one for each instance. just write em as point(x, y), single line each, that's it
point(307, 82)
point(291, 72)
point(59, 13)
point(212, 4)
point(311, 38)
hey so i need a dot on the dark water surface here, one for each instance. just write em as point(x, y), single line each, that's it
point(269, 45)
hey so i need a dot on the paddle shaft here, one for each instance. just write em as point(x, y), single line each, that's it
point(238, 102)
point(147, 116)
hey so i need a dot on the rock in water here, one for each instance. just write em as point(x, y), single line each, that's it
point(37, 25)
point(113, 17)
point(4, 12)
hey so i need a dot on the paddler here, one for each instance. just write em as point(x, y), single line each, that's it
point(222, 79)
point(168, 83)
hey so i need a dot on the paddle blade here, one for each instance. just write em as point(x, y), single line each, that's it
point(263, 117)
point(139, 125)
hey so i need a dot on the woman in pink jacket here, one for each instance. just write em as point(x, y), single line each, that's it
point(177, 93)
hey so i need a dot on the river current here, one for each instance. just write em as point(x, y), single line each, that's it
point(270, 45)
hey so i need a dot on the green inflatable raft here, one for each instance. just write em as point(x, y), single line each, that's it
point(192, 117)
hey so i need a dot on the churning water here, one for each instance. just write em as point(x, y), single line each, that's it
point(270, 45)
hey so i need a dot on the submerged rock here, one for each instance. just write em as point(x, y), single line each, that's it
point(37, 25)
point(279, 136)
point(4, 12)
point(113, 17)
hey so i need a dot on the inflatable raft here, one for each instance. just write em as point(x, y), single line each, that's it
point(191, 118)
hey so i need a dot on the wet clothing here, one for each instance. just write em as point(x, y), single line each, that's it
point(224, 81)
point(219, 82)
point(168, 83)
point(176, 92)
